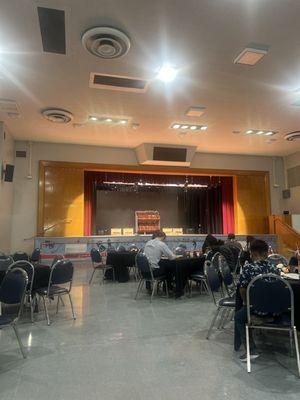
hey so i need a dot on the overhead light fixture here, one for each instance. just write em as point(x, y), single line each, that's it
point(167, 73)
point(110, 120)
point(192, 127)
point(195, 111)
point(251, 54)
point(260, 132)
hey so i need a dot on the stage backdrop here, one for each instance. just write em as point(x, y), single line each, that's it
point(197, 209)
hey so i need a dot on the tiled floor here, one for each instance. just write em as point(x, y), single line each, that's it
point(119, 348)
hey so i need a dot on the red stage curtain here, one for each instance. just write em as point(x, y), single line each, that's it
point(227, 205)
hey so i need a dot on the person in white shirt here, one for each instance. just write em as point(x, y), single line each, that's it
point(155, 249)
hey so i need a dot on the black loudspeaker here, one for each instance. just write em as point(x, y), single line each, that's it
point(8, 173)
point(286, 212)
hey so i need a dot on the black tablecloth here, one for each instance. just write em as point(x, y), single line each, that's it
point(120, 261)
point(181, 269)
point(41, 276)
point(295, 284)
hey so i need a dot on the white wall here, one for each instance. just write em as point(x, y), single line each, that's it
point(6, 190)
point(26, 190)
point(293, 203)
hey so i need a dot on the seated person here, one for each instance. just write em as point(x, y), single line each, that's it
point(154, 250)
point(259, 265)
point(245, 255)
point(231, 241)
point(209, 244)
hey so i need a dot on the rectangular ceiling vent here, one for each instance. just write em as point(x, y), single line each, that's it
point(165, 155)
point(21, 153)
point(119, 83)
point(53, 31)
point(9, 106)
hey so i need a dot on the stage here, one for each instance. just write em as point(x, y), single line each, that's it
point(80, 247)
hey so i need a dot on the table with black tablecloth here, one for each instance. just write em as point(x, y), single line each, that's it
point(120, 261)
point(41, 276)
point(181, 269)
point(295, 284)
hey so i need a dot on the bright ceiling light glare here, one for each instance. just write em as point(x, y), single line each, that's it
point(249, 131)
point(269, 133)
point(167, 73)
point(108, 120)
point(184, 126)
point(93, 118)
point(123, 121)
point(203, 128)
point(259, 132)
point(193, 127)
point(176, 126)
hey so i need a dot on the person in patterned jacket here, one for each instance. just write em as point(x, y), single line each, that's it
point(259, 265)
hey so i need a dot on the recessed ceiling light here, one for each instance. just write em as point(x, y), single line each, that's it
point(259, 132)
point(184, 126)
point(93, 118)
point(108, 120)
point(167, 73)
point(123, 121)
point(195, 111)
point(203, 128)
point(193, 127)
point(251, 54)
point(249, 131)
point(176, 126)
point(269, 133)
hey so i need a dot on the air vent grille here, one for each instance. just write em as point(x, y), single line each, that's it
point(21, 153)
point(57, 115)
point(120, 83)
point(52, 26)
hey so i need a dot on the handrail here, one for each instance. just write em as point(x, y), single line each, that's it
point(288, 236)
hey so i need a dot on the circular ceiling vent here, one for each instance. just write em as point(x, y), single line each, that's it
point(57, 115)
point(292, 136)
point(105, 42)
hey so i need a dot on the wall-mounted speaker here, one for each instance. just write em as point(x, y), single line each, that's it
point(8, 173)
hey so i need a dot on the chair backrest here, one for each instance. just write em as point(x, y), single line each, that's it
point(212, 276)
point(36, 255)
point(142, 264)
point(3, 256)
point(215, 261)
point(133, 248)
point(270, 294)
point(5, 263)
point(96, 256)
point(20, 256)
point(276, 259)
point(226, 275)
point(57, 258)
point(121, 249)
point(13, 286)
point(27, 267)
point(61, 272)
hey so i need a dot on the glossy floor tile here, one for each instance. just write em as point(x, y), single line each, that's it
point(119, 348)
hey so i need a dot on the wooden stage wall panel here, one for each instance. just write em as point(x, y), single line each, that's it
point(63, 201)
point(252, 204)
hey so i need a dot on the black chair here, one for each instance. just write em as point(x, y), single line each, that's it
point(29, 269)
point(98, 265)
point(13, 291)
point(20, 256)
point(269, 294)
point(147, 274)
point(121, 249)
point(36, 256)
point(5, 263)
point(227, 277)
point(215, 285)
point(3, 256)
point(60, 284)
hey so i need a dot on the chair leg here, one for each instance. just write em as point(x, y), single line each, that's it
point(46, 311)
point(31, 300)
point(291, 343)
point(154, 284)
point(248, 349)
point(226, 318)
point(138, 288)
point(222, 318)
point(167, 290)
point(72, 307)
point(213, 322)
point(297, 349)
point(19, 340)
point(57, 304)
point(91, 278)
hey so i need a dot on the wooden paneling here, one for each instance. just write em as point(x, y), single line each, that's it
point(61, 201)
point(252, 203)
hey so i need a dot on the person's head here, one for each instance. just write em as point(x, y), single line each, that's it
point(231, 236)
point(209, 243)
point(259, 250)
point(159, 235)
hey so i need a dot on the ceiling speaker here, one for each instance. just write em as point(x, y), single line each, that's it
point(57, 115)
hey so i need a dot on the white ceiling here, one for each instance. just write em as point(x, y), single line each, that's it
point(200, 37)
